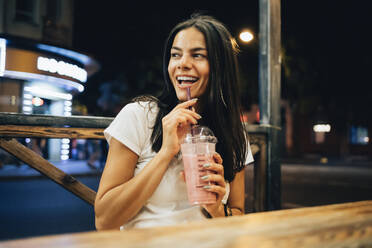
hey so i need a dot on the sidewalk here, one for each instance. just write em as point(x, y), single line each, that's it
point(71, 167)
point(329, 161)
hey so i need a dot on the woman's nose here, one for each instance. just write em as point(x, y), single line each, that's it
point(185, 62)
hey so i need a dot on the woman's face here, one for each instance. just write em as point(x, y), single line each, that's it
point(188, 64)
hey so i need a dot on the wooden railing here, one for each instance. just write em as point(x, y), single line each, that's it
point(14, 126)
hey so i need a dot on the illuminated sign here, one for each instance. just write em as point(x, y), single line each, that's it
point(47, 93)
point(322, 128)
point(22, 64)
point(62, 68)
point(2, 56)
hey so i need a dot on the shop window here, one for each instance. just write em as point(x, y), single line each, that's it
point(25, 11)
point(359, 135)
point(40, 106)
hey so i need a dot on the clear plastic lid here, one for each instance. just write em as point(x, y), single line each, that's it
point(200, 134)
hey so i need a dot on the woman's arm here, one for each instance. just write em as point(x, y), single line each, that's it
point(237, 191)
point(237, 194)
point(121, 195)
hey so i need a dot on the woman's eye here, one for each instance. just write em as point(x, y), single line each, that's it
point(174, 55)
point(199, 55)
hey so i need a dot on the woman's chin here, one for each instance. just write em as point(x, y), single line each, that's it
point(182, 98)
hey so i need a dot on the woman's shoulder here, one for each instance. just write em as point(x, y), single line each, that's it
point(146, 103)
point(140, 107)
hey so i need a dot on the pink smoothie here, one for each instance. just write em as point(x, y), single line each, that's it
point(193, 165)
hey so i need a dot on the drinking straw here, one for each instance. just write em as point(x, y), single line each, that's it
point(189, 98)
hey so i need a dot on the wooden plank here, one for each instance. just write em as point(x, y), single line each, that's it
point(339, 225)
point(50, 132)
point(43, 166)
point(56, 121)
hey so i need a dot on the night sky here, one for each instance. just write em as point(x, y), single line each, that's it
point(128, 40)
point(326, 46)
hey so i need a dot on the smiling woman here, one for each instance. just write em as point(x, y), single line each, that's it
point(188, 64)
point(142, 184)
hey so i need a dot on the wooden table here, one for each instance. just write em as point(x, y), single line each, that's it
point(339, 225)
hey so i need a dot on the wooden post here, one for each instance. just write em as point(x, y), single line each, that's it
point(269, 94)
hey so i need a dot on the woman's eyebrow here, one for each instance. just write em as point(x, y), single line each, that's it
point(176, 48)
point(196, 49)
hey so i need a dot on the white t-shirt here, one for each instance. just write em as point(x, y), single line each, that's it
point(168, 205)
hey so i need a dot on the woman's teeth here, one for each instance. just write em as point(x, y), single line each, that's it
point(186, 80)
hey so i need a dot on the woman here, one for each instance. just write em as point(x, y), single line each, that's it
point(140, 185)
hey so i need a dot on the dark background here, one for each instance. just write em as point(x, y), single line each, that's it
point(326, 50)
point(128, 41)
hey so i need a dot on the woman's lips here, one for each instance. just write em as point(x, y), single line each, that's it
point(186, 84)
point(186, 81)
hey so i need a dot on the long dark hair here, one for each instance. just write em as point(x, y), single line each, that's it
point(220, 104)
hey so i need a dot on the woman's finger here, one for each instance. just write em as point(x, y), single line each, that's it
point(187, 112)
point(217, 158)
point(214, 179)
point(182, 112)
point(220, 191)
point(187, 104)
point(181, 117)
point(185, 118)
point(214, 168)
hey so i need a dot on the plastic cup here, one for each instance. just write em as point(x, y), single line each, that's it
point(197, 149)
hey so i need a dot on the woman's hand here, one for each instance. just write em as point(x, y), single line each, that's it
point(175, 125)
point(217, 185)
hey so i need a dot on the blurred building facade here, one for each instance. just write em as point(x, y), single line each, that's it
point(39, 72)
point(326, 137)
point(318, 136)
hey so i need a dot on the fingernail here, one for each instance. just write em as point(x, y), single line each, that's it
point(207, 187)
point(204, 177)
point(194, 99)
point(206, 165)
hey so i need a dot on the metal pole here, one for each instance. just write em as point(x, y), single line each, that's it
point(269, 94)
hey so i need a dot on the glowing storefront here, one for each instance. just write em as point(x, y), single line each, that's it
point(37, 78)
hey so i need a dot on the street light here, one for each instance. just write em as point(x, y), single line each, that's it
point(246, 36)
